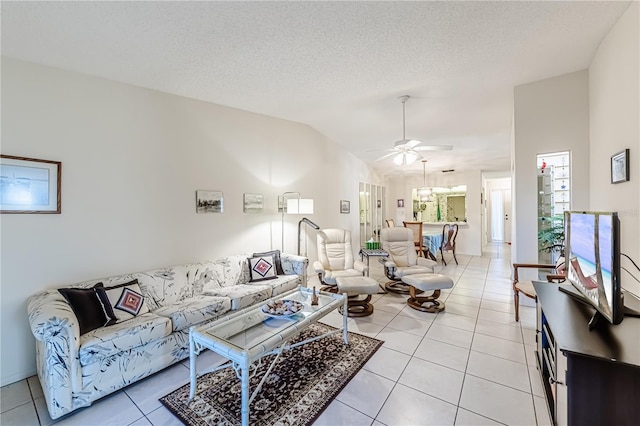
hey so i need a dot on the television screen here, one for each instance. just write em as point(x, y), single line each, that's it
point(593, 260)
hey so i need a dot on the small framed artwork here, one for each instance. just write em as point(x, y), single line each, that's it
point(400, 203)
point(209, 201)
point(29, 185)
point(253, 203)
point(345, 206)
point(620, 167)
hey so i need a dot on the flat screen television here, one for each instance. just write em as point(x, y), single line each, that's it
point(592, 255)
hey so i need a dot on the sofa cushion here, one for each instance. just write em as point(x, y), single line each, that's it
point(137, 331)
point(261, 268)
point(91, 307)
point(243, 295)
point(126, 300)
point(283, 283)
point(276, 259)
point(164, 286)
point(194, 310)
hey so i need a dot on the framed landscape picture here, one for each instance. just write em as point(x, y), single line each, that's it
point(253, 203)
point(209, 201)
point(345, 206)
point(620, 167)
point(29, 185)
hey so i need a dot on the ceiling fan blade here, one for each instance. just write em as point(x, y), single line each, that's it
point(413, 143)
point(381, 149)
point(386, 156)
point(433, 148)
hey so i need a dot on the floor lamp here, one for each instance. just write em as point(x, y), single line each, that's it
point(308, 222)
point(293, 204)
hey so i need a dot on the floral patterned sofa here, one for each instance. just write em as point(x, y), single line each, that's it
point(76, 369)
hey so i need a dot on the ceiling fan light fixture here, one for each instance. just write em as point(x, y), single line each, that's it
point(405, 158)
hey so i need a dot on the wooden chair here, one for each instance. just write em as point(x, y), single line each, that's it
point(390, 223)
point(449, 234)
point(416, 227)
point(526, 287)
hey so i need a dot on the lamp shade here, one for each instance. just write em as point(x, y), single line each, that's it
point(405, 158)
point(300, 206)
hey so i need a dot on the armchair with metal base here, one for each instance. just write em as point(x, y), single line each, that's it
point(335, 258)
point(402, 259)
point(526, 286)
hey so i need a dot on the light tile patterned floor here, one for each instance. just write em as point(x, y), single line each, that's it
point(469, 365)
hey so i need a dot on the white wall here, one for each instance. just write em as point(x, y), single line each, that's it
point(549, 115)
point(132, 160)
point(469, 240)
point(614, 94)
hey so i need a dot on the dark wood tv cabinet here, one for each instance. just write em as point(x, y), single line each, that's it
point(589, 377)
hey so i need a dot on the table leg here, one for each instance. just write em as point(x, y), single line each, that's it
point(362, 256)
point(192, 366)
point(345, 310)
point(245, 394)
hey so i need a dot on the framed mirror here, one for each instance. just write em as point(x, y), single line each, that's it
point(440, 204)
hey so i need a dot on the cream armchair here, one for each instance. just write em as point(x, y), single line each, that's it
point(335, 258)
point(402, 259)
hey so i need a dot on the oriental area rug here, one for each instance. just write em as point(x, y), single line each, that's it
point(299, 387)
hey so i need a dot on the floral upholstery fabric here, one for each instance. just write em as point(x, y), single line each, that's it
point(194, 310)
point(106, 341)
point(243, 295)
point(76, 370)
point(164, 286)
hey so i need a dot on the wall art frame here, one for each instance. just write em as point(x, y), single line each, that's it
point(209, 201)
point(620, 166)
point(345, 206)
point(30, 185)
point(400, 203)
point(253, 203)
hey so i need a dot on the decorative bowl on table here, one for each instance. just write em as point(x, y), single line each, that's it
point(282, 308)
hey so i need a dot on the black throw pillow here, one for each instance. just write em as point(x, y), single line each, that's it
point(276, 259)
point(92, 309)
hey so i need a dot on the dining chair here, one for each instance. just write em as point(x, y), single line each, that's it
point(390, 223)
point(416, 227)
point(449, 234)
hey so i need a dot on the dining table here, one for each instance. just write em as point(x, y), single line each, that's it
point(432, 241)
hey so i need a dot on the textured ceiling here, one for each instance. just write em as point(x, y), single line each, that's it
point(336, 66)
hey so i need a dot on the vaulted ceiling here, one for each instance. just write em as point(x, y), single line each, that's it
point(336, 66)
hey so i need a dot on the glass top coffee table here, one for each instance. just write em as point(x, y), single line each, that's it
point(248, 335)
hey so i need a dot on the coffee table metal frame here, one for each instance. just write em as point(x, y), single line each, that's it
point(246, 336)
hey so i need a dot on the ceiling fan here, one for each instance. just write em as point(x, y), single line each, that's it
point(405, 151)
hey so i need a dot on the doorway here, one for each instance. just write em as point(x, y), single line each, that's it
point(498, 210)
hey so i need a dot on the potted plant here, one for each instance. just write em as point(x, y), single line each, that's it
point(551, 236)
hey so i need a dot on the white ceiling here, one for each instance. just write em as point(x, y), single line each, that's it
point(336, 66)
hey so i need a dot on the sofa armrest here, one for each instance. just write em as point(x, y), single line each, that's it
point(57, 333)
point(295, 265)
point(50, 314)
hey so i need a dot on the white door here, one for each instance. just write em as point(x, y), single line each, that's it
point(507, 215)
point(497, 215)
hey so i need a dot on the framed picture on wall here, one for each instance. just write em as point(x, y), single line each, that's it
point(345, 206)
point(620, 167)
point(253, 203)
point(29, 185)
point(400, 203)
point(209, 201)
